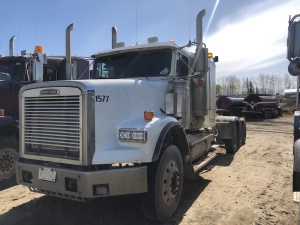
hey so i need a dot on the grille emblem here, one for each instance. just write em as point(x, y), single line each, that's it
point(50, 92)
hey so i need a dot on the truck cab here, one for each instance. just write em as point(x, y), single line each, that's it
point(14, 73)
point(19, 71)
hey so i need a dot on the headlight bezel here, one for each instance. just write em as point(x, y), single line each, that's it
point(133, 135)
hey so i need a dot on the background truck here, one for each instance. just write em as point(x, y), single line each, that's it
point(230, 106)
point(17, 71)
point(146, 120)
point(265, 106)
point(293, 55)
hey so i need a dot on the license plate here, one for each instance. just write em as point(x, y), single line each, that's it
point(47, 174)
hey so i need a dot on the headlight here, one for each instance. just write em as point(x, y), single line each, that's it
point(132, 134)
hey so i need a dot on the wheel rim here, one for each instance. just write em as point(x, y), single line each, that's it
point(266, 114)
point(171, 183)
point(7, 162)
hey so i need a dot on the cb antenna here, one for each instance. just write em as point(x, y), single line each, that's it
point(18, 39)
point(190, 20)
point(136, 42)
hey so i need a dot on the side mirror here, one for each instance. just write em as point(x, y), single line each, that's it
point(294, 69)
point(293, 48)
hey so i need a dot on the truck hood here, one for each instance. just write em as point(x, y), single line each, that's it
point(121, 104)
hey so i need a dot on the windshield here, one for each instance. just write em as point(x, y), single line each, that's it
point(10, 71)
point(148, 63)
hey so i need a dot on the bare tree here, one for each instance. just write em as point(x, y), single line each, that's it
point(261, 84)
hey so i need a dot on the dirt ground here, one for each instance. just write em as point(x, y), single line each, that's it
point(254, 186)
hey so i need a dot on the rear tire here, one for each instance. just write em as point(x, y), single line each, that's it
point(244, 135)
point(165, 185)
point(231, 144)
point(240, 133)
point(270, 114)
point(266, 114)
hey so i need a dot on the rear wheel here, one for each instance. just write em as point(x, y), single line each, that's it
point(244, 135)
point(240, 133)
point(231, 145)
point(270, 114)
point(165, 185)
point(266, 114)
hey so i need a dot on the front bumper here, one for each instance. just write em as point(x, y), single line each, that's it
point(117, 181)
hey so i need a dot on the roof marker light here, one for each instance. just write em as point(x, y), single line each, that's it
point(38, 48)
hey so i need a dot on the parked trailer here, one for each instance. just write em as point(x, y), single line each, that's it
point(265, 106)
point(230, 106)
point(15, 72)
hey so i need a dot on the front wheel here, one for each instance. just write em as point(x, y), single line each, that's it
point(8, 154)
point(165, 185)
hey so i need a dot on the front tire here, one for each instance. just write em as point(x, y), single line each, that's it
point(165, 185)
point(8, 154)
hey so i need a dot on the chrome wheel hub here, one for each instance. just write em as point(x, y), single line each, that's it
point(171, 182)
point(7, 162)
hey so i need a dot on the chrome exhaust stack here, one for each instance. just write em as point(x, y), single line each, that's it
point(114, 37)
point(68, 52)
point(203, 85)
point(11, 45)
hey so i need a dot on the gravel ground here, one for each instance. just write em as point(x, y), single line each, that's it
point(254, 186)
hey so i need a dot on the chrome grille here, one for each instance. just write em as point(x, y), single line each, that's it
point(52, 126)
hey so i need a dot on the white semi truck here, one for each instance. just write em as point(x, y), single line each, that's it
point(147, 116)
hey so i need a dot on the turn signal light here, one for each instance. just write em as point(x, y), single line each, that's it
point(210, 55)
point(1, 112)
point(148, 115)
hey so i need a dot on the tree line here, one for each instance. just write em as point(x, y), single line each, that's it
point(233, 85)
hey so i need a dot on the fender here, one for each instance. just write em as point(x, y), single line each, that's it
point(181, 139)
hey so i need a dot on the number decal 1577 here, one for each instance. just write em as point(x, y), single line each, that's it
point(102, 98)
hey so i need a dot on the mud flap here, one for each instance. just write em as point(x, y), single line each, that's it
point(296, 181)
point(296, 170)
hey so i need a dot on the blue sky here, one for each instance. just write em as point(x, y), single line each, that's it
point(248, 36)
